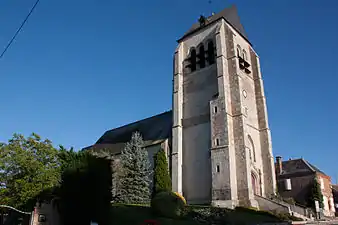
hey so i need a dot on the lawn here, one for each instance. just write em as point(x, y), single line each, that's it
point(198, 215)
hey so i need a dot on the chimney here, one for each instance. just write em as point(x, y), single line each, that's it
point(279, 166)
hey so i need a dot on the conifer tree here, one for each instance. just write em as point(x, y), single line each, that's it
point(162, 181)
point(135, 166)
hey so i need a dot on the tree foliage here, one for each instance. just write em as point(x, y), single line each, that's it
point(134, 177)
point(85, 189)
point(316, 194)
point(162, 181)
point(27, 167)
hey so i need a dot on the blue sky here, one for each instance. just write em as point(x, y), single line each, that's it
point(79, 68)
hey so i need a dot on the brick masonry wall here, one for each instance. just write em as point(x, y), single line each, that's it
point(327, 193)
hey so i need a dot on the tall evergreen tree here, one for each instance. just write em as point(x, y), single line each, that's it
point(162, 181)
point(316, 194)
point(134, 178)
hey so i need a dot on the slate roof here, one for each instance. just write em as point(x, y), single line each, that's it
point(298, 166)
point(154, 128)
point(229, 14)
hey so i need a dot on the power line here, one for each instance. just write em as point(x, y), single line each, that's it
point(17, 32)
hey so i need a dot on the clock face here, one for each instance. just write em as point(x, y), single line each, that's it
point(244, 94)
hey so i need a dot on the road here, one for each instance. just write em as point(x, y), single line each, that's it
point(333, 222)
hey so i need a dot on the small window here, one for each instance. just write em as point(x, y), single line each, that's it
point(244, 55)
point(218, 169)
point(215, 109)
point(42, 218)
point(239, 51)
point(217, 142)
point(287, 184)
point(321, 183)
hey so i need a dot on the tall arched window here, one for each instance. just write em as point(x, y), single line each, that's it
point(211, 53)
point(192, 60)
point(244, 55)
point(201, 56)
point(252, 148)
point(239, 51)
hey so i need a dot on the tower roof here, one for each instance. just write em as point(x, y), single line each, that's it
point(228, 14)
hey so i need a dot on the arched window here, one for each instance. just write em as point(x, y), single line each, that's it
point(239, 51)
point(244, 55)
point(211, 53)
point(201, 57)
point(192, 60)
point(252, 148)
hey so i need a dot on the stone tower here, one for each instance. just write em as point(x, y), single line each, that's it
point(221, 144)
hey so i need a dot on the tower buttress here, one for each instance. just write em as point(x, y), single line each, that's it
point(176, 157)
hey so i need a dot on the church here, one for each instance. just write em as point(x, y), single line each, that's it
point(216, 136)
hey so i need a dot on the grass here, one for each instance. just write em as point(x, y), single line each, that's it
point(198, 215)
point(136, 215)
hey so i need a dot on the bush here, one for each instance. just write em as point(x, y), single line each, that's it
point(168, 204)
point(162, 181)
point(181, 197)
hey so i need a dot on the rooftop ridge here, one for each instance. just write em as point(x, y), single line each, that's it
point(138, 121)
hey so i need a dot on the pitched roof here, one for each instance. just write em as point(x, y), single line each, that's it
point(229, 14)
point(154, 128)
point(298, 166)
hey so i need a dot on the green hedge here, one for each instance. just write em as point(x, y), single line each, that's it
point(168, 204)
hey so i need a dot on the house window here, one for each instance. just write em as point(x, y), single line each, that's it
point(215, 109)
point(42, 218)
point(218, 169)
point(321, 183)
point(287, 184)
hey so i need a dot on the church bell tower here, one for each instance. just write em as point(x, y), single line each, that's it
point(221, 144)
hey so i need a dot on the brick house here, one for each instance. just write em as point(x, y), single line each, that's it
point(295, 179)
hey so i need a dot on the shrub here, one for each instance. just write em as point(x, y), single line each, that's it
point(168, 204)
point(181, 197)
point(162, 180)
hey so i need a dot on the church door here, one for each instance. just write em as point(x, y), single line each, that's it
point(254, 184)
